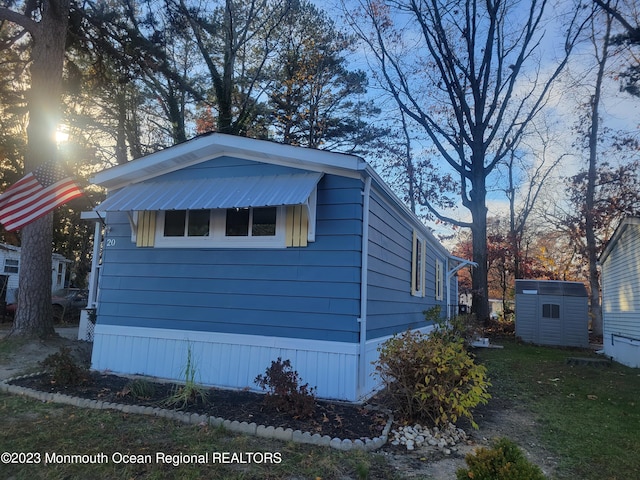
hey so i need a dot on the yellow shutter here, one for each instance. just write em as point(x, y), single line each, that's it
point(146, 233)
point(423, 269)
point(297, 226)
point(414, 266)
point(439, 280)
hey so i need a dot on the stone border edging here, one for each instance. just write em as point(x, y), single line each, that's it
point(235, 426)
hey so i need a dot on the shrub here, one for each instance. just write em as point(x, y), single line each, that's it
point(138, 388)
point(284, 390)
point(431, 378)
point(505, 461)
point(64, 369)
point(464, 327)
point(191, 392)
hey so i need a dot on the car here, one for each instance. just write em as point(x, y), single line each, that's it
point(66, 302)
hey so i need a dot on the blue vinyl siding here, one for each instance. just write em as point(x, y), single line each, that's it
point(227, 167)
point(309, 292)
point(391, 307)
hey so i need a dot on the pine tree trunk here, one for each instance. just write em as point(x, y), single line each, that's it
point(34, 313)
point(34, 316)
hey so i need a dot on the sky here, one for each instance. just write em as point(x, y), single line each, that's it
point(619, 110)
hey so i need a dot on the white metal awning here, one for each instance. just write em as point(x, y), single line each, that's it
point(211, 193)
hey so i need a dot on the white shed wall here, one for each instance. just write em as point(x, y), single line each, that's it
point(621, 298)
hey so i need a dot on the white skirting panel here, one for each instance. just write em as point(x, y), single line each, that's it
point(226, 360)
point(623, 350)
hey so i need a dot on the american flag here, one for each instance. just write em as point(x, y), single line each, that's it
point(35, 195)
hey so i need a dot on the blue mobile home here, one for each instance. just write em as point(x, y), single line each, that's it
point(242, 251)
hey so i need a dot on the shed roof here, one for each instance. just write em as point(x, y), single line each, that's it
point(551, 287)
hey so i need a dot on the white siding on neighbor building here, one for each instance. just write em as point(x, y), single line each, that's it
point(621, 285)
point(10, 263)
point(621, 298)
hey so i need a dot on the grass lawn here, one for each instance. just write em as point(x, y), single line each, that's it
point(31, 426)
point(590, 416)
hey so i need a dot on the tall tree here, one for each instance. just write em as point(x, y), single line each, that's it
point(468, 74)
point(136, 63)
point(599, 198)
point(529, 166)
point(13, 134)
point(46, 23)
point(601, 55)
point(235, 40)
point(313, 96)
point(625, 13)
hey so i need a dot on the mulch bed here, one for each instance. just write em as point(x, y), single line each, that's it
point(336, 419)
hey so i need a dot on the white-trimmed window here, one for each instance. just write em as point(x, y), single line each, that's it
point(418, 265)
point(11, 265)
point(60, 274)
point(251, 222)
point(233, 227)
point(439, 280)
point(186, 223)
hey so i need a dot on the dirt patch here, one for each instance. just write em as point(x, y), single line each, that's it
point(495, 420)
point(500, 418)
point(20, 356)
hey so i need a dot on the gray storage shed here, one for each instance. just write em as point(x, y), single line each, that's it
point(552, 312)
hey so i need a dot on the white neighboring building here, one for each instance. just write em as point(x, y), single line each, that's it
point(620, 263)
point(10, 267)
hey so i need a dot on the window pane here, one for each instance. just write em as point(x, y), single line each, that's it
point(418, 267)
point(10, 265)
point(264, 222)
point(198, 223)
point(174, 221)
point(550, 310)
point(237, 222)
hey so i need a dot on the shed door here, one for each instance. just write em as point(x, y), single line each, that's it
point(550, 314)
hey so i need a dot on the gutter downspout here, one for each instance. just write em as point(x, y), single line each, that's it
point(364, 279)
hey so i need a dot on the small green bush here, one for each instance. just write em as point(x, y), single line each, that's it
point(505, 461)
point(284, 390)
point(64, 369)
point(464, 327)
point(431, 378)
point(138, 388)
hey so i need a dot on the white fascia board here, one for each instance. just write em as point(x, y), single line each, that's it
point(217, 145)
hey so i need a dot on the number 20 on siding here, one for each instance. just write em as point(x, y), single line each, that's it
point(110, 242)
